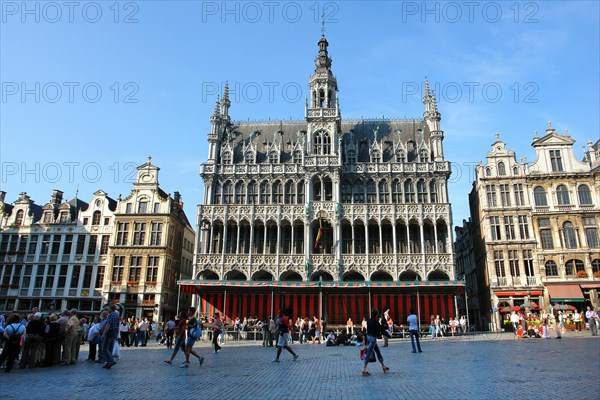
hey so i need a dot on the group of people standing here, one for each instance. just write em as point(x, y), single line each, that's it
point(42, 342)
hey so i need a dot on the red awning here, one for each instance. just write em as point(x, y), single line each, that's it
point(516, 294)
point(591, 286)
point(565, 293)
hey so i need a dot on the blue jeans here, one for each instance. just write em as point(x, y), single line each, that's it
point(107, 346)
point(372, 343)
point(414, 335)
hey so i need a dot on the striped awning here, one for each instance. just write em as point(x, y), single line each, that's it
point(324, 284)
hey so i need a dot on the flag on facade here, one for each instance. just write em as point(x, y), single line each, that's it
point(319, 233)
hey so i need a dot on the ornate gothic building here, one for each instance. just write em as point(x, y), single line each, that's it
point(326, 216)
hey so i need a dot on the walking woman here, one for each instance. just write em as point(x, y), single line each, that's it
point(374, 329)
point(217, 329)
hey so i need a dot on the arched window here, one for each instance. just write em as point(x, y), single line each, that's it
point(515, 171)
point(488, 172)
point(585, 197)
point(409, 191)
point(297, 157)
point(596, 266)
point(277, 197)
point(252, 195)
point(317, 189)
point(249, 157)
point(400, 156)
point(421, 191)
point(432, 192)
point(264, 192)
point(569, 235)
point(539, 197)
point(346, 192)
point(328, 188)
point(396, 191)
point(290, 192)
point(227, 193)
point(351, 157)
point(562, 195)
point(375, 156)
point(218, 192)
point(300, 192)
point(19, 218)
point(501, 169)
point(240, 195)
point(322, 143)
point(551, 268)
point(226, 157)
point(384, 194)
point(371, 191)
point(570, 267)
point(273, 157)
point(423, 156)
point(326, 144)
point(96, 218)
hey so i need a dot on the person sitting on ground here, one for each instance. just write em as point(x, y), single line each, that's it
point(330, 341)
point(343, 340)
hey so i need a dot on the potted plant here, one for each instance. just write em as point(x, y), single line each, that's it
point(582, 274)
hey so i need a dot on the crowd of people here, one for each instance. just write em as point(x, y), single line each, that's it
point(45, 340)
point(539, 324)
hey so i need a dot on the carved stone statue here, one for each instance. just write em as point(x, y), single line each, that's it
point(375, 132)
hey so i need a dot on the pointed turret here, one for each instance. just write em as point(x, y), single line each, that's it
point(225, 103)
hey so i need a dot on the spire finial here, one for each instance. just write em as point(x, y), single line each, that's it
point(323, 22)
point(549, 124)
point(566, 132)
point(497, 136)
point(149, 159)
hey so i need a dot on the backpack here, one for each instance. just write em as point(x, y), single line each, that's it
point(16, 335)
point(196, 332)
point(281, 326)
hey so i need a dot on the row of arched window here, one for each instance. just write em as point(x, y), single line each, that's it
point(572, 267)
point(562, 196)
point(353, 276)
point(501, 170)
point(385, 191)
point(353, 192)
point(262, 192)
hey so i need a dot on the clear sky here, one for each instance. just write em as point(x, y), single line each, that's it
point(91, 89)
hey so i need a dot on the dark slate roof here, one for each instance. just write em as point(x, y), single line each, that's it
point(76, 205)
point(289, 132)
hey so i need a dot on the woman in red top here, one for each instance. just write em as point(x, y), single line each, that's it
point(217, 327)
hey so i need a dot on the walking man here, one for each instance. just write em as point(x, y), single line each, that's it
point(109, 335)
point(413, 330)
point(553, 316)
point(283, 334)
point(194, 328)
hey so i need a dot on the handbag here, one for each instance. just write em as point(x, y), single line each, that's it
point(363, 354)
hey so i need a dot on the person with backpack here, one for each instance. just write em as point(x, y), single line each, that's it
point(13, 333)
point(283, 325)
point(194, 328)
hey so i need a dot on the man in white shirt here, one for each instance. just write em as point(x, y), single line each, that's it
point(142, 329)
point(591, 316)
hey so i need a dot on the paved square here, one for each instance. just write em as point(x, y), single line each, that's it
point(479, 367)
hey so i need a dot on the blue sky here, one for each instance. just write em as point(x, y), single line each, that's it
point(88, 92)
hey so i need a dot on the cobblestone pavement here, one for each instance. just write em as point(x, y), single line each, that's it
point(492, 366)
